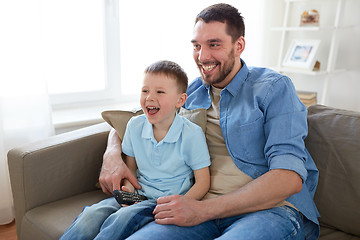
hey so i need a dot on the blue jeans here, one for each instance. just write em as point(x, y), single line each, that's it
point(276, 223)
point(108, 220)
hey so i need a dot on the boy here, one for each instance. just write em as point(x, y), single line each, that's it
point(164, 150)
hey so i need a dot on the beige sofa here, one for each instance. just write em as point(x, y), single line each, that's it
point(53, 179)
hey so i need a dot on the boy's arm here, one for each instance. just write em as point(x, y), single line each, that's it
point(131, 164)
point(202, 184)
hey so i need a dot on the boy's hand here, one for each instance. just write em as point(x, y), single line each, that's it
point(127, 187)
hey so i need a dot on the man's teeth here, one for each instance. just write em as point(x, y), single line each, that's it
point(209, 68)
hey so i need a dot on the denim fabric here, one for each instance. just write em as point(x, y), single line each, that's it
point(108, 220)
point(276, 223)
point(264, 125)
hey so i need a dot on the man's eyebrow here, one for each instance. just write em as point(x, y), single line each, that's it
point(212, 40)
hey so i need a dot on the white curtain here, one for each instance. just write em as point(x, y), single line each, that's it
point(25, 113)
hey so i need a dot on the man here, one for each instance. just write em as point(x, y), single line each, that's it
point(262, 178)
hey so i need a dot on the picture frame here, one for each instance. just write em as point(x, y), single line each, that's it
point(301, 53)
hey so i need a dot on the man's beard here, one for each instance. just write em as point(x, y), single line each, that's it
point(223, 73)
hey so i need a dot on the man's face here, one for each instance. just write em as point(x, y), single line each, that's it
point(215, 53)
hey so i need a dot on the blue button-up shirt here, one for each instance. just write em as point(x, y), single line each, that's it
point(264, 125)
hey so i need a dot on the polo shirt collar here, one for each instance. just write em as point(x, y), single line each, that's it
point(173, 134)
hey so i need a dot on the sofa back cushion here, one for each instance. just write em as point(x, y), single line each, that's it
point(118, 118)
point(334, 144)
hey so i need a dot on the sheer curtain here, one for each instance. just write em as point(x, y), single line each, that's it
point(25, 113)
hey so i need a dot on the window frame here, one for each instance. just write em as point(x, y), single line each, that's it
point(112, 91)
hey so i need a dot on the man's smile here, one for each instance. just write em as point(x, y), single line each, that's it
point(208, 68)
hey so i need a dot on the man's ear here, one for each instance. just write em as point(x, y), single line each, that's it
point(240, 45)
point(181, 100)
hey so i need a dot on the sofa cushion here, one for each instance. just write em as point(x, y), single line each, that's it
point(332, 234)
point(119, 118)
point(334, 143)
point(51, 220)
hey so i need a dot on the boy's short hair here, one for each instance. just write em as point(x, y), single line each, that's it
point(170, 69)
point(227, 14)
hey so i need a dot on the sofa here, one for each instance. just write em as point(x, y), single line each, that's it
point(53, 179)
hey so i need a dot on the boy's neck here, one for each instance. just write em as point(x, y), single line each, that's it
point(160, 130)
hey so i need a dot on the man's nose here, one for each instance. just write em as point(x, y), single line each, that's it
point(204, 54)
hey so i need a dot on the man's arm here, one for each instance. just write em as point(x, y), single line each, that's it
point(262, 193)
point(114, 169)
point(131, 164)
point(201, 185)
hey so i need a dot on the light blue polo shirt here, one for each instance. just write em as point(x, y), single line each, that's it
point(165, 167)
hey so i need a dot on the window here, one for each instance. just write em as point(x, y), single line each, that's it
point(161, 29)
point(97, 50)
point(73, 50)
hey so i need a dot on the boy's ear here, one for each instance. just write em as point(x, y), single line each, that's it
point(181, 100)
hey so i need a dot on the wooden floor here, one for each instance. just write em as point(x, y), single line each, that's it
point(8, 232)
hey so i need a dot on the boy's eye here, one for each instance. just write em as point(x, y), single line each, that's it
point(161, 92)
point(144, 91)
point(196, 47)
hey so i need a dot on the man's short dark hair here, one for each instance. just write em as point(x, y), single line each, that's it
point(224, 13)
point(170, 69)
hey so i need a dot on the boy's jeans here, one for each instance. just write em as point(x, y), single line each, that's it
point(276, 223)
point(108, 220)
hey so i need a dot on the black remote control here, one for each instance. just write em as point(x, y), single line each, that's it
point(127, 198)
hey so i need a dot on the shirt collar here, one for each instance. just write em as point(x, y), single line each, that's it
point(172, 135)
point(234, 86)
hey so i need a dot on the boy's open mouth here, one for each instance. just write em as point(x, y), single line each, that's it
point(152, 110)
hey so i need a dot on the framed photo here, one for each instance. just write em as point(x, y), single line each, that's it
point(301, 54)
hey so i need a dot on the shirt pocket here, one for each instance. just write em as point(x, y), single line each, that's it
point(247, 140)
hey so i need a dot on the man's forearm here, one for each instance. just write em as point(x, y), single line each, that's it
point(262, 193)
point(114, 169)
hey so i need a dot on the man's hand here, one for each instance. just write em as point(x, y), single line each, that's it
point(114, 170)
point(178, 210)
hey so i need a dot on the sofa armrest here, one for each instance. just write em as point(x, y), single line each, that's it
point(56, 167)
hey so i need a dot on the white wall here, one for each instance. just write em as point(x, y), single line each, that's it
point(344, 87)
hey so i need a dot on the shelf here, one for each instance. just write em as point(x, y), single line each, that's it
point(306, 72)
point(304, 0)
point(301, 71)
point(314, 28)
point(311, 28)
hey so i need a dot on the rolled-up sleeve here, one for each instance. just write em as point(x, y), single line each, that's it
point(285, 128)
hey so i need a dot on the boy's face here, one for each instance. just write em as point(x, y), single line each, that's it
point(215, 54)
point(160, 97)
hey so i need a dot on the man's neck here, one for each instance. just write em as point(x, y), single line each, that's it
point(231, 75)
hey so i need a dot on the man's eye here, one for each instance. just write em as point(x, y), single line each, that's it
point(214, 45)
